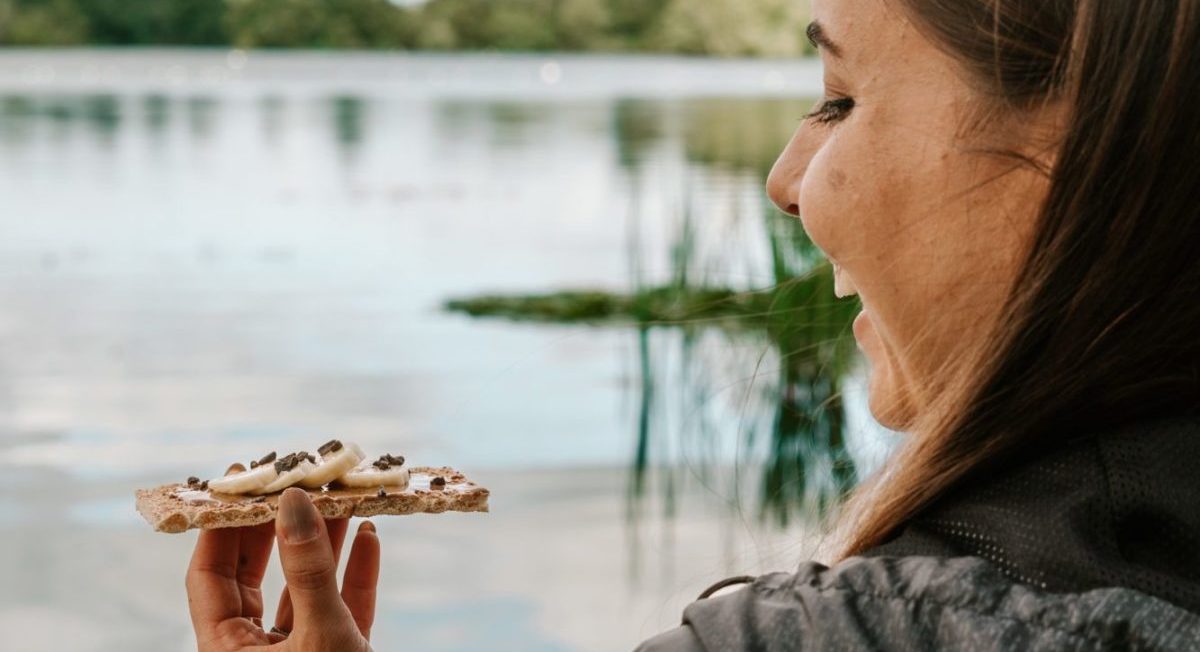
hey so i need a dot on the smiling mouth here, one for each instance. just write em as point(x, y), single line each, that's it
point(843, 285)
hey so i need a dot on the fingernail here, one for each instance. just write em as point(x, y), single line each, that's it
point(281, 632)
point(298, 517)
point(367, 525)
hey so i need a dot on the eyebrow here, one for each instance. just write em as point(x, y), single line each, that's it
point(820, 40)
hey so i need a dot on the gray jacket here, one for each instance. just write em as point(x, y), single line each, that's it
point(1092, 544)
point(923, 603)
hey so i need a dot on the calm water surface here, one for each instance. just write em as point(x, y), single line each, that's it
point(208, 255)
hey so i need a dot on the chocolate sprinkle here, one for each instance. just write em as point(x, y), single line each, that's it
point(393, 460)
point(193, 480)
point(331, 446)
point(267, 459)
point(311, 459)
point(253, 464)
point(287, 463)
point(437, 483)
point(382, 465)
point(204, 486)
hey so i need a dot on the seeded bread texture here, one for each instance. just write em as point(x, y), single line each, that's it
point(177, 507)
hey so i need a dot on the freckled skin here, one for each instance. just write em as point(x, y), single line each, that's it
point(837, 179)
point(931, 233)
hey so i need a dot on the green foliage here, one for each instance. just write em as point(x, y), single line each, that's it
point(51, 22)
point(720, 27)
point(513, 24)
point(515, 27)
point(631, 20)
point(731, 27)
point(583, 25)
point(455, 24)
point(808, 468)
point(177, 22)
point(318, 24)
point(660, 306)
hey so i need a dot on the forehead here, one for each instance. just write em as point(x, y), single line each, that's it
point(866, 30)
point(882, 49)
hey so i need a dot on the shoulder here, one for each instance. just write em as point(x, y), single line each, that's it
point(923, 603)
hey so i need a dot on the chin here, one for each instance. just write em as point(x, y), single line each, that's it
point(888, 403)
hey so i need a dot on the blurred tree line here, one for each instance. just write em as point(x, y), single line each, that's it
point(714, 27)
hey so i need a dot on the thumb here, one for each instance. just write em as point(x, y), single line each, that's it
point(308, 563)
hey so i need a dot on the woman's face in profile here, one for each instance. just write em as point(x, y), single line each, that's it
point(929, 233)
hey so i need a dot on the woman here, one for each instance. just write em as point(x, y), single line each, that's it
point(1012, 187)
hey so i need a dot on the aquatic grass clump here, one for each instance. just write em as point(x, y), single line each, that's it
point(807, 468)
point(793, 336)
point(663, 306)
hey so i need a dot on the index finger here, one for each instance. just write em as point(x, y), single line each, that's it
point(254, 553)
point(212, 588)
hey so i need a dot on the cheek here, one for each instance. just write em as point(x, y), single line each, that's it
point(835, 206)
point(856, 201)
point(855, 204)
point(930, 260)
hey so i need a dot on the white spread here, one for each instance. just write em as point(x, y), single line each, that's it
point(196, 497)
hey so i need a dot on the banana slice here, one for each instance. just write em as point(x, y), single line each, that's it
point(380, 473)
point(333, 462)
point(245, 482)
point(299, 469)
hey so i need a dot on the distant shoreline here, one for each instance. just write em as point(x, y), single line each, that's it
point(413, 52)
point(696, 27)
point(405, 74)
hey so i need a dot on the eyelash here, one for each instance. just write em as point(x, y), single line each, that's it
point(831, 110)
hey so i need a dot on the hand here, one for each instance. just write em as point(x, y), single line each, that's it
point(224, 584)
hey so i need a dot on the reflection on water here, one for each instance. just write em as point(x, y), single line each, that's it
point(793, 319)
point(192, 270)
point(348, 121)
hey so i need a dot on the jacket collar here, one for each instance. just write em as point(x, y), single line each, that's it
point(1115, 509)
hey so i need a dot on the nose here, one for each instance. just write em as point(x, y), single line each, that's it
point(783, 184)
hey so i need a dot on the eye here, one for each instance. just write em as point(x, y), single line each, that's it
point(831, 110)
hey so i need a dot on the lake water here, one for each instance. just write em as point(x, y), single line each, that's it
point(207, 255)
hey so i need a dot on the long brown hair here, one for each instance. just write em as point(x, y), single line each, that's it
point(1102, 327)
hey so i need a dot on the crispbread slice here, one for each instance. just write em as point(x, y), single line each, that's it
point(177, 507)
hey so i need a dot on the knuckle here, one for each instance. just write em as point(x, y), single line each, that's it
point(309, 577)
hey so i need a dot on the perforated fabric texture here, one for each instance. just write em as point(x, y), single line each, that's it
point(916, 604)
point(1116, 509)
